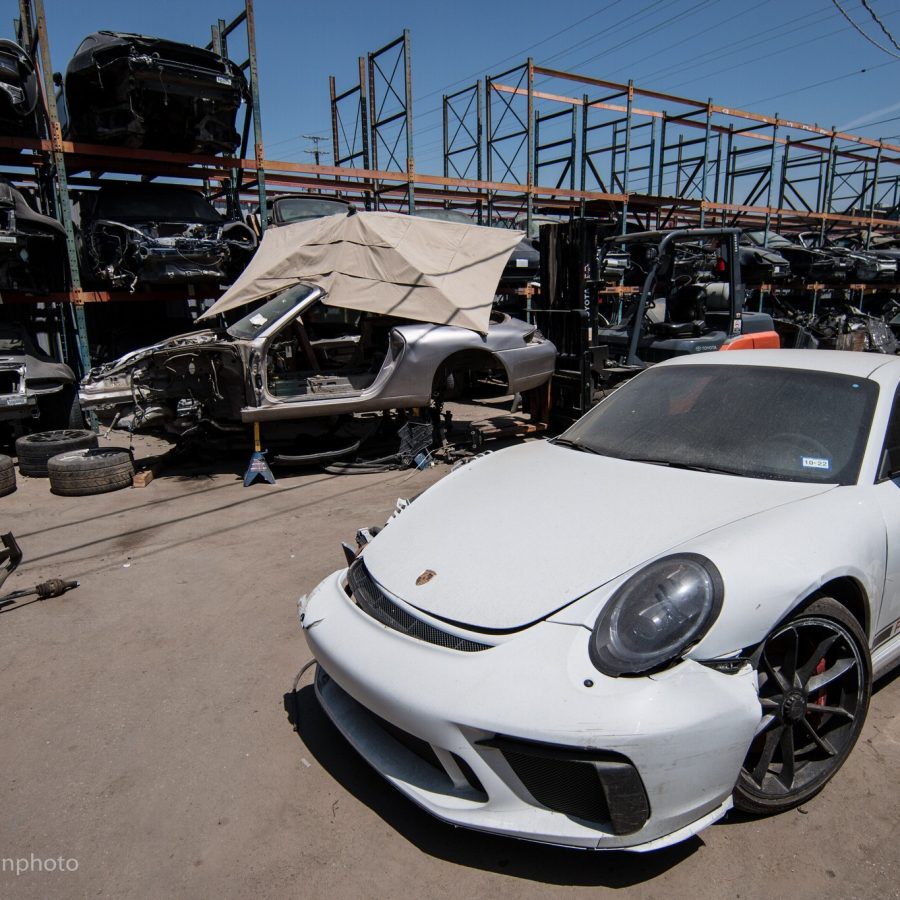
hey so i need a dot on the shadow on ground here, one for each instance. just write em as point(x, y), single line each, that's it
point(520, 859)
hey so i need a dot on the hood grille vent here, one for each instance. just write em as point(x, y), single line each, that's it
point(372, 600)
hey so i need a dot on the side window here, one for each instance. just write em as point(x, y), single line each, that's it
point(890, 454)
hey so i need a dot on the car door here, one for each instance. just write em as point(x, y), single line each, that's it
point(888, 492)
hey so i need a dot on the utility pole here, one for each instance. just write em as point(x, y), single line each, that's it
point(316, 153)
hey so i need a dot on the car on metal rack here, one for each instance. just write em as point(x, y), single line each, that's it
point(286, 208)
point(132, 234)
point(19, 91)
point(809, 264)
point(36, 391)
point(33, 253)
point(131, 90)
point(694, 653)
point(864, 267)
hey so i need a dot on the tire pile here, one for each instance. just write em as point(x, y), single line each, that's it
point(72, 461)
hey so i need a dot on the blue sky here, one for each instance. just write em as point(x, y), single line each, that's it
point(799, 58)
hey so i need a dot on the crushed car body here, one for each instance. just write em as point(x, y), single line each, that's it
point(32, 246)
point(132, 90)
point(18, 91)
point(35, 389)
point(346, 326)
point(134, 234)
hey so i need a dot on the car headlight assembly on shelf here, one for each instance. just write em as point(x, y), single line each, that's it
point(657, 614)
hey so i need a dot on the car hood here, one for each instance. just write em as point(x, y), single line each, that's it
point(518, 535)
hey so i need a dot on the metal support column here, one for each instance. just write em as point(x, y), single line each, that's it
point(257, 116)
point(771, 183)
point(529, 182)
point(64, 207)
point(626, 171)
point(705, 162)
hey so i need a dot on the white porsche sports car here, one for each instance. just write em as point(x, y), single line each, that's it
point(607, 639)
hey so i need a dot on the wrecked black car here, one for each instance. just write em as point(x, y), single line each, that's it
point(18, 92)
point(32, 246)
point(36, 391)
point(132, 234)
point(130, 90)
point(862, 266)
point(834, 326)
point(807, 263)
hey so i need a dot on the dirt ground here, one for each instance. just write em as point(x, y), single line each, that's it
point(146, 732)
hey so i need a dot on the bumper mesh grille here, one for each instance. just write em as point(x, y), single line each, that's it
point(372, 600)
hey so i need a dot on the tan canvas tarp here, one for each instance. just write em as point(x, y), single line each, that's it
point(421, 269)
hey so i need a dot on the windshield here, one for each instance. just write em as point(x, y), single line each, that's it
point(775, 240)
point(298, 209)
point(254, 323)
point(137, 204)
point(445, 215)
point(753, 421)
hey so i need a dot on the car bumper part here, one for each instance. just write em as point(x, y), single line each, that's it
point(526, 738)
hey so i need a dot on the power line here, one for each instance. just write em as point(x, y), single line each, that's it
point(880, 24)
point(871, 40)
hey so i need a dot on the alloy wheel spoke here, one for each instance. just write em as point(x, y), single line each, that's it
point(765, 758)
point(821, 743)
point(787, 756)
point(790, 659)
point(840, 667)
point(777, 677)
point(764, 723)
point(831, 710)
point(817, 656)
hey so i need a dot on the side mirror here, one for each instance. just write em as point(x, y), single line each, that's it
point(58, 79)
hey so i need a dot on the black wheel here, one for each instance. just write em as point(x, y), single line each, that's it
point(815, 679)
point(33, 450)
point(7, 476)
point(78, 473)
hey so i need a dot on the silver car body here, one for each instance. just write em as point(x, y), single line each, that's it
point(243, 384)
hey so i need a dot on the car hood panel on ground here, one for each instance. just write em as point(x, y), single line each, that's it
point(518, 535)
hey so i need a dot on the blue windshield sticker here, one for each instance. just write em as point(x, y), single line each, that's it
point(815, 462)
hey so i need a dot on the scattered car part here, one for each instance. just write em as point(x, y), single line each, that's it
point(35, 389)
point(34, 450)
point(131, 90)
point(659, 666)
point(78, 473)
point(32, 246)
point(10, 557)
point(134, 234)
point(7, 476)
point(18, 91)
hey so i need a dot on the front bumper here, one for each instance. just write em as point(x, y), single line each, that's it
point(444, 726)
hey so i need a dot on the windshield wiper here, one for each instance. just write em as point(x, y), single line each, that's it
point(692, 467)
point(576, 445)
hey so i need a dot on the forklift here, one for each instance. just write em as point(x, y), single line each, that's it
point(679, 292)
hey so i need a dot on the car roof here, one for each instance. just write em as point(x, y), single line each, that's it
point(860, 365)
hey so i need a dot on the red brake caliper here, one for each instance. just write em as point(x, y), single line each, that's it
point(820, 668)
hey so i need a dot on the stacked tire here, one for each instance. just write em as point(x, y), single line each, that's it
point(72, 461)
point(77, 473)
point(34, 450)
point(7, 476)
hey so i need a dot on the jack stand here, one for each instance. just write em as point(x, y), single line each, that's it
point(258, 467)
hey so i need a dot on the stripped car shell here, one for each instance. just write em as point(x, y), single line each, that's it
point(227, 379)
point(157, 234)
point(477, 692)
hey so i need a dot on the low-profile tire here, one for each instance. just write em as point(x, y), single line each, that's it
point(7, 476)
point(33, 450)
point(815, 680)
point(78, 473)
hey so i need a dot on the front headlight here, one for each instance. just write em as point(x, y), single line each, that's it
point(657, 614)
